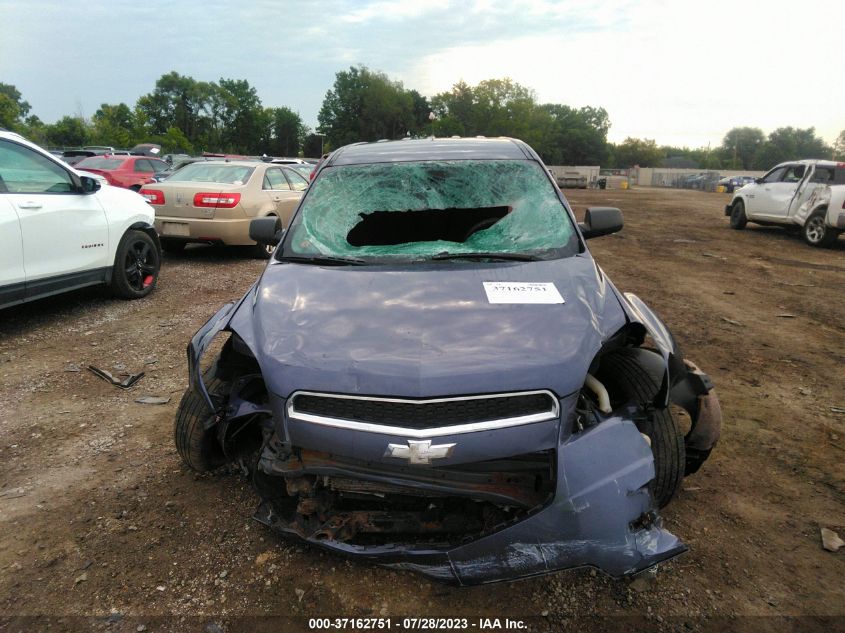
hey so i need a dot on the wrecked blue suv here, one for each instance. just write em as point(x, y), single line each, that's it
point(433, 374)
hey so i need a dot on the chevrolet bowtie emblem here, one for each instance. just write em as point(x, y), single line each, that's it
point(419, 452)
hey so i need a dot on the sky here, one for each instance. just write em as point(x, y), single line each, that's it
point(679, 72)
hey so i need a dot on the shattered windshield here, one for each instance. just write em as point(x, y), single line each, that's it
point(424, 209)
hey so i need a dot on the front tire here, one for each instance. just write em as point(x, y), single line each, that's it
point(816, 232)
point(136, 265)
point(738, 217)
point(197, 446)
point(627, 381)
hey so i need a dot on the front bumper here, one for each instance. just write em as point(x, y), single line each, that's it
point(600, 515)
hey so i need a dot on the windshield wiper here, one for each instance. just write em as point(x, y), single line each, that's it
point(322, 260)
point(518, 257)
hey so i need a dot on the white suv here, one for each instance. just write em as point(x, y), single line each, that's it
point(784, 196)
point(60, 231)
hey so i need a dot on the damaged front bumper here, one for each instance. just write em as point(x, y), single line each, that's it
point(599, 513)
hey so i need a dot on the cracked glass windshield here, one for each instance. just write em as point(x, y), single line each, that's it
point(426, 209)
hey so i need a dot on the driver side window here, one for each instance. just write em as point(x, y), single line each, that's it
point(26, 171)
point(774, 175)
point(794, 173)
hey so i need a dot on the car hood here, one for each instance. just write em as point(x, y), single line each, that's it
point(427, 330)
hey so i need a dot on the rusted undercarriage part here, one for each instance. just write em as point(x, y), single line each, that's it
point(321, 497)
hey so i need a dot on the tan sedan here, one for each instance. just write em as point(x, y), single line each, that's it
point(213, 202)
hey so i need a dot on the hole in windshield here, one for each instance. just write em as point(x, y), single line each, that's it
point(414, 210)
point(381, 228)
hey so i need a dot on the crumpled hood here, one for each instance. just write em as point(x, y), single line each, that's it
point(427, 330)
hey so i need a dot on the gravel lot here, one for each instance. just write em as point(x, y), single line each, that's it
point(102, 528)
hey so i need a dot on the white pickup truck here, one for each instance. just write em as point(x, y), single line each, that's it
point(805, 194)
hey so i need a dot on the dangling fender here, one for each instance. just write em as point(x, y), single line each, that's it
point(682, 382)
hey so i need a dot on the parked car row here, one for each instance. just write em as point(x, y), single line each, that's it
point(74, 156)
point(731, 183)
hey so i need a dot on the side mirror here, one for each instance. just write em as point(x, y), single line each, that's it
point(759, 181)
point(88, 184)
point(601, 221)
point(266, 231)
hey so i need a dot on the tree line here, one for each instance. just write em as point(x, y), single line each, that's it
point(182, 114)
point(190, 116)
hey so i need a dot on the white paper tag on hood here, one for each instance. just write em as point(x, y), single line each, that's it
point(521, 292)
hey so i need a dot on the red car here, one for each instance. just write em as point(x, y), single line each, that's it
point(130, 172)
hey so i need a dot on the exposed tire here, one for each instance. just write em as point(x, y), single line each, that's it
point(136, 265)
point(198, 447)
point(816, 232)
point(738, 217)
point(173, 246)
point(627, 381)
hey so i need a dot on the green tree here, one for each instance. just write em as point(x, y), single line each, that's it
point(245, 127)
point(173, 141)
point(571, 136)
point(788, 143)
point(364, 105)
point(634, 151)
point(35, 130)
point(454, 111)
point(421, 110)
point(67, 131)
point(740, 146)
point(9, 113)
point(13, 109)
point(495, 107)
point(839, 147)
point(314, 145)
point(288, 132)
point(114, 125)
point(177, 101)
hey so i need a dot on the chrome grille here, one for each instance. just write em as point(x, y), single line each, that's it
point(424, 417)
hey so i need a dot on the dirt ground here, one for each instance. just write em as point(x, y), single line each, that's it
point(98, 517)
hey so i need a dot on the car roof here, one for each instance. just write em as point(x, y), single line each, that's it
point(808, 161)
point(432, 149)
point(225, 161)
